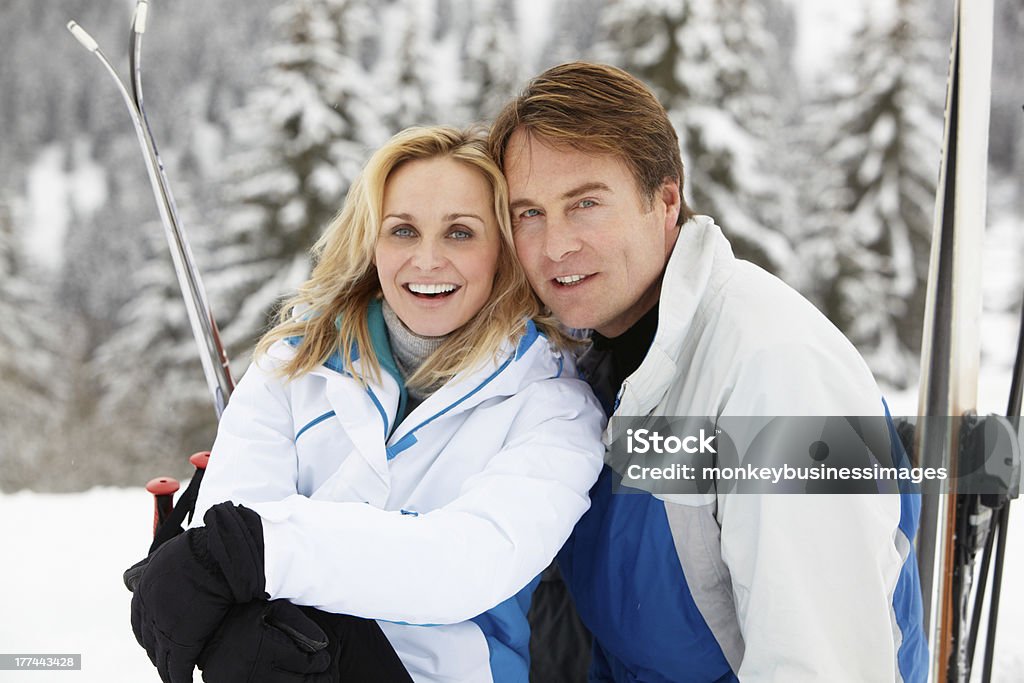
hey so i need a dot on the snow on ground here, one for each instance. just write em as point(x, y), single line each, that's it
point(60, 582)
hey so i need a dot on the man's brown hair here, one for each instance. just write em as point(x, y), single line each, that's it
point(598, 109)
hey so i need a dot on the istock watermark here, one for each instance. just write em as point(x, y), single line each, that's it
point(645, 441)
point(831, 454)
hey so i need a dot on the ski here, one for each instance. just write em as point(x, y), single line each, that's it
point(204, 327)
point(168, 517)
point(950, 345)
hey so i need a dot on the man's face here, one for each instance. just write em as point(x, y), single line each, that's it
point(593, 248)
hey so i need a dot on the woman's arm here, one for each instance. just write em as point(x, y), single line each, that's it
point(455, 562)
point(253, 458)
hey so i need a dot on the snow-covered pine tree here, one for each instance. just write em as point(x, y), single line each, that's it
point(29, 380)
point(576, 28)
point(706, 60)
point(409, 91)
point(1006, 141)
point(151, 384)
point(491, 59)
point(139, 394)
point(878, 134)
point(296, 144)
point(302, 138)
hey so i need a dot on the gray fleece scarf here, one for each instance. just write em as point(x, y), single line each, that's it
point(409, 349)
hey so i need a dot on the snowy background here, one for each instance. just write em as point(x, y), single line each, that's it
point(810, 131)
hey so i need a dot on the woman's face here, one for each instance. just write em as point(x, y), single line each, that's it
point(437, 251)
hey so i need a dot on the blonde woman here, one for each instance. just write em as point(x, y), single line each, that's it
point(410, 448)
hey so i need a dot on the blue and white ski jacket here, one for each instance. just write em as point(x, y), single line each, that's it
point(437, 526)
point(723, 586)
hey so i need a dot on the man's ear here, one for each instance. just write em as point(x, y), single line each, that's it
point(670, 196)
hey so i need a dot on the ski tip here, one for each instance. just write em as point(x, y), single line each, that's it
point(82, 36)
point(141, 14)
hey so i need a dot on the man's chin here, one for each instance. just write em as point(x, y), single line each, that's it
point(575, 319)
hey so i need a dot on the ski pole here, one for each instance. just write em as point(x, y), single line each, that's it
point(1013, 412)
point(171, 524)
point(997, 529)
point(204, 327)
point(163, 489)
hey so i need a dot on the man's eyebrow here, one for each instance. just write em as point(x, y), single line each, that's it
point(585, 188)
point(518, 203)
point(574, 192)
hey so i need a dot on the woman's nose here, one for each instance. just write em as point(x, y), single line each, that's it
point(428, 256)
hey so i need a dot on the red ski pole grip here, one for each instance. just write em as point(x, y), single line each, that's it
point(200, 459)
point(163, 489)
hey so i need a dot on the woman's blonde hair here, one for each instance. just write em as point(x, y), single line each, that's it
point(329, 311)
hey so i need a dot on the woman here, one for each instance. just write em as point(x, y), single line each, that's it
point(409, 446)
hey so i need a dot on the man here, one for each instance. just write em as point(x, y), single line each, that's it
point(714, 586)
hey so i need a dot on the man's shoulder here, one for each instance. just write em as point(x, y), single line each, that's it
point(756, 299)
point(707, 290)
point(756, 344)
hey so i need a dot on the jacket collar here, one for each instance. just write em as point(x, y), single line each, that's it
point(686, 281)
point(517, 364)
point(376, 441)
point(527, 360)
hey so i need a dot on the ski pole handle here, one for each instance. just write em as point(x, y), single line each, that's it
point(200, 459)
point(163, 490)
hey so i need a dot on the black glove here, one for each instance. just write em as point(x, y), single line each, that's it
point(185, 588)
point(267, 642)
point(278, 642)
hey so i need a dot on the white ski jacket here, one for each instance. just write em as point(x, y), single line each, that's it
point(438, 526)
point(763, 588)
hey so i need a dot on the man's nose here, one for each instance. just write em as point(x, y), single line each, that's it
point(560, 240)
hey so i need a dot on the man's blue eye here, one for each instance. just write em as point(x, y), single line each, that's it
point(586, 203)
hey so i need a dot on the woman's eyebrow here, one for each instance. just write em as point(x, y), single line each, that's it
point(449, 217)
point(457, 216)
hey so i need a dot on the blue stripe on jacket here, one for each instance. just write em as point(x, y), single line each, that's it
point(621, 566)
point(912, 656)
point(622, 569)
point(508, 636)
